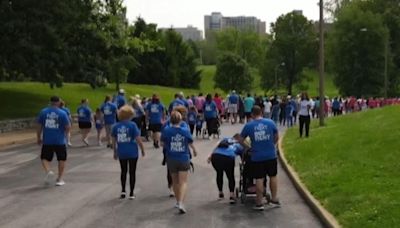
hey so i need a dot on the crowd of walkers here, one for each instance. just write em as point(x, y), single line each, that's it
point(124, 123)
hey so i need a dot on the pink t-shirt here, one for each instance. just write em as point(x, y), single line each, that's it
point(218, 102)
point(200, 103)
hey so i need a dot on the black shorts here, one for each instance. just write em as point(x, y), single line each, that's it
point(175, 166)
point(49, 150)
point(262, 169)
point(84, 125)
point(155, 127)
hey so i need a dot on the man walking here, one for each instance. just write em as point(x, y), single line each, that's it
point(264, 135)
point(53, 126)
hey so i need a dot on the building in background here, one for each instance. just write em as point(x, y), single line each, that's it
point(216, 22)
point(188, 33)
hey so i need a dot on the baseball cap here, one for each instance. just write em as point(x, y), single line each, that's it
point(121, 91)
point(54, 99)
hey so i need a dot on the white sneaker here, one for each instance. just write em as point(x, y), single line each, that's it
point(86, 142)
point(69, 144)
point(49, 178)
point(176, 205)
point(60, 183)
point(171, 193)
point(182, 209)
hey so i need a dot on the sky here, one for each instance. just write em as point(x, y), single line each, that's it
point(181, 13)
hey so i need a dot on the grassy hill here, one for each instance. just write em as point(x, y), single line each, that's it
point(352, 166)
point(26, 99)
point(207, 83)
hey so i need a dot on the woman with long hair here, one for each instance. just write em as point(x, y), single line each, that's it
point(177, 141)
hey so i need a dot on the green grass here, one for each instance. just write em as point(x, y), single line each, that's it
point(352, 166)
point(313, 84)
point(26, 99)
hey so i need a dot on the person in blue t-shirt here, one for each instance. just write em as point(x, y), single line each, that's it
point(176, 102)
point(85, 120)
point(191, 118)
point(211, 115)
point(177, 142)
point(336, 107)
point(289, 115)
point(233, 106)
point(294, 105)
point(53, 127)
point(248, 105)
point(126, 139)
point(182, 110)
point(199, 124)
point(120, 99)
point(155, 112)
point(223, 160)
point(263, 134)
point(109, 111)
point(183, 100)
point(66, 110)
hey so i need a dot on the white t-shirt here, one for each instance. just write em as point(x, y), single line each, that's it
point(267, 106)
point(304, 104)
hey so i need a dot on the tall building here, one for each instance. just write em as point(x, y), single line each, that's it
point(216, 21)
point(188, 33)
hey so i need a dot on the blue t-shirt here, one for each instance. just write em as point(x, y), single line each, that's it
point(156, 111)
point(233, 99)
point(248, 104)
point(53, 121)
point(230, 151)
point(176, 142)
point(336, 104)
point(66, 110)
point(185, 102)
point(109, 111)
point(84, 114)
point(199, 122)
point(294, 105)
point(210, 110)
point(125, 133)
point(288, 110)
point(138, 112)
point(262, 134)
point(175, 103)
point(121, 101)
point(191, 118)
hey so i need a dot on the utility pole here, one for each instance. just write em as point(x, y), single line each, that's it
point(321, 64)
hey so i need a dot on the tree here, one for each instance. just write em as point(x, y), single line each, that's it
point(233, 73)
point(294, 43)
point(356, 51)
point(164, 58)
point(245, 43)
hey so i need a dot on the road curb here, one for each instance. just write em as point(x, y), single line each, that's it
point(326, 218)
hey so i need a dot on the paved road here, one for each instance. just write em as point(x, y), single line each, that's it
point(90, 197)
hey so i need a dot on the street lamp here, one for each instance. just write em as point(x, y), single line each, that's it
point(276, 76)
point(385, 72)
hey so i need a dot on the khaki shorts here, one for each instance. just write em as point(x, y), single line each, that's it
point(233, 108)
